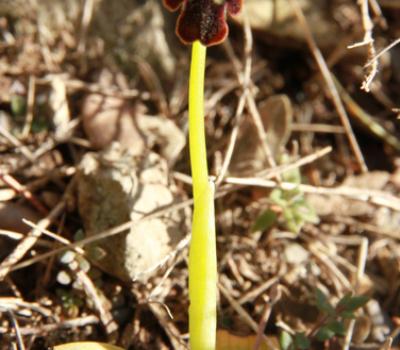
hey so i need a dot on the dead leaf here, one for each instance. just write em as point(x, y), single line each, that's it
point(276, 114)
point(11, 215)
point(86, 346)
point(228, 341)
point(107, 119)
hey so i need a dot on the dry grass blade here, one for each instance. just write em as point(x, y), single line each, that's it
point(87, 15)
point(15, 304)
point(18, 336)
point(379, 198)
point(362, 260)
point(14, 141)
point(47, 328)
point(31, 105)
point(53, 235)
point(92, 292)
point(28, 195)
point(269, 303)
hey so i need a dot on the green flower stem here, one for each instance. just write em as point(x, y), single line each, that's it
point(202, 256)
point(197, 141)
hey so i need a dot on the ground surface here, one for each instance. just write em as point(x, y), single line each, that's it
point(307, 167)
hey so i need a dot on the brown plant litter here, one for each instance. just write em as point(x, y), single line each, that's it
point(94, 178)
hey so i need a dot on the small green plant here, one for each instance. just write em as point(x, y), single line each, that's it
point(294, 208)
point(18, 105)
point(70, 301)
point(331, 322)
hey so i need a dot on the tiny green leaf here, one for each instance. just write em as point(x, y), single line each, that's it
point(323, 304)
point(79, 235)
point(292, 222)
point(285, 340)
point(264, 221)
point(329, 330)
point(18, 105)
point(276, 197)
point(337, 327)
point(95, 253)
point(39, 124)
point(324, 333)
point(292, 176)
point(307, 213)
point(347, 314)
point(301, 341)
point(352, 303)
point(84, 265)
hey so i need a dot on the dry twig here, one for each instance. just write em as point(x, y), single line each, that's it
point(28, 195)
point(362, 260)
point(369, 41)
point(18, 336)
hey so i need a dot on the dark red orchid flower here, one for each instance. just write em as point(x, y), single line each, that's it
point(203, 20)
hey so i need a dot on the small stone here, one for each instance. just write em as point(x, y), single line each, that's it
point(277, 19)
point(295, 254)
point(63, 278)
point(115, 187)
point(67, 257)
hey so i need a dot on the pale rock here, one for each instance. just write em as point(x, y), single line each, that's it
point(114, 187)
point(295, 254)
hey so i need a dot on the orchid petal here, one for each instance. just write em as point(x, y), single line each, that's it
point(203, 20)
